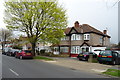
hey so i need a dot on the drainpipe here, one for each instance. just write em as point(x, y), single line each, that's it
point(90, 48)
point(103, 41)
point(70, 46)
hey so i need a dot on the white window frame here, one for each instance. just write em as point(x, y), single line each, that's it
point(86, 37)
point(73, 37)
point(78, 37)
point(75, 49)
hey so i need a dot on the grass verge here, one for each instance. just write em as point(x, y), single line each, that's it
point(112, 72)
point(43, 58)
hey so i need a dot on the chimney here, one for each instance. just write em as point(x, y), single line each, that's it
point(76, 24)
point(104, 31)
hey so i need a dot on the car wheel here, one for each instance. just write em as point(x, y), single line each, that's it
point(21, 57)
point(80, 59)
point(100, 62)
point(15, 56)
point(113, 62)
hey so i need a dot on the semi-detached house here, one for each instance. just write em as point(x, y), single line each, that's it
point(82, 38)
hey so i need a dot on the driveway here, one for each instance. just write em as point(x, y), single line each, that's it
point(75, 64)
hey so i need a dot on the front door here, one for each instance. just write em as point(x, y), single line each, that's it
point(56, 50)
point(85, 49)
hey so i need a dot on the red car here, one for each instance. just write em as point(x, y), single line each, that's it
point(24, 54)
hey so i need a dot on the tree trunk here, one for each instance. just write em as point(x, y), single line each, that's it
point(33, 49)
point(2, 47)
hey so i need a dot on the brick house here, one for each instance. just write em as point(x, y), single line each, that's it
point(81, 38)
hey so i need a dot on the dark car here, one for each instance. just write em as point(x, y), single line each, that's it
point(108, 56)
point(24, 54)
point(85, 55)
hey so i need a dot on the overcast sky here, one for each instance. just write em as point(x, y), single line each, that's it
point(98, 13)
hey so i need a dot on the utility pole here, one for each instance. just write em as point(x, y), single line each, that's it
point(2, 41)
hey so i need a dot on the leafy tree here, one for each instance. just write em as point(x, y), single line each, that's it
point(37, 19)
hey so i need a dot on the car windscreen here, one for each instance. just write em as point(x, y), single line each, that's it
point(27, 51)
point(105, 53)
point(92, 53)
point(86, 53)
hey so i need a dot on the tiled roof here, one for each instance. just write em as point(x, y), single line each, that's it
point(67, 30)
point(85, 28)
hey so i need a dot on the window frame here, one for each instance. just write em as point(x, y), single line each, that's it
point(75, 49)
point(76, 37)
point(64, 49)
point(86, 37)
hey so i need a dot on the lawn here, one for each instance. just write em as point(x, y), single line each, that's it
point(43, 58)
point(112, 72)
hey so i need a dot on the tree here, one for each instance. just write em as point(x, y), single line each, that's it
point(5, 36)
point(119, 44)
point(114, 2)
point(37, 19)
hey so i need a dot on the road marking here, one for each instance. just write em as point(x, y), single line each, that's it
point(14, 72)
point(98, 70)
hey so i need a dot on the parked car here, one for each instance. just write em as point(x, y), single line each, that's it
point(9, 51)
point(108, 56)
point(13, 52)
point(5, 50)
point(24, 54)
point(85, 55)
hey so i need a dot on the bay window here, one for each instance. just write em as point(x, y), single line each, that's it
point(64, 49)
point(75, 49)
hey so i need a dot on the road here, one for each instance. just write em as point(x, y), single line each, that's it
point(15, 68)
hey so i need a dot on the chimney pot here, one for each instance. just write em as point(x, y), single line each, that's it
point(76, 24)
point(104, 31)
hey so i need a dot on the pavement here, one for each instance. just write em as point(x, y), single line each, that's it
point(116, 67)
point(74, 63)
point(0, 64)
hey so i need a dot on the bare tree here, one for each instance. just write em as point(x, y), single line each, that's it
point(114, 3)
point(5, 36)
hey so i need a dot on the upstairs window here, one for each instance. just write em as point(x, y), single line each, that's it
point(73, 37)
point(101, 40)
point(76, 37)
point(65, 38)
point(86, 36)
